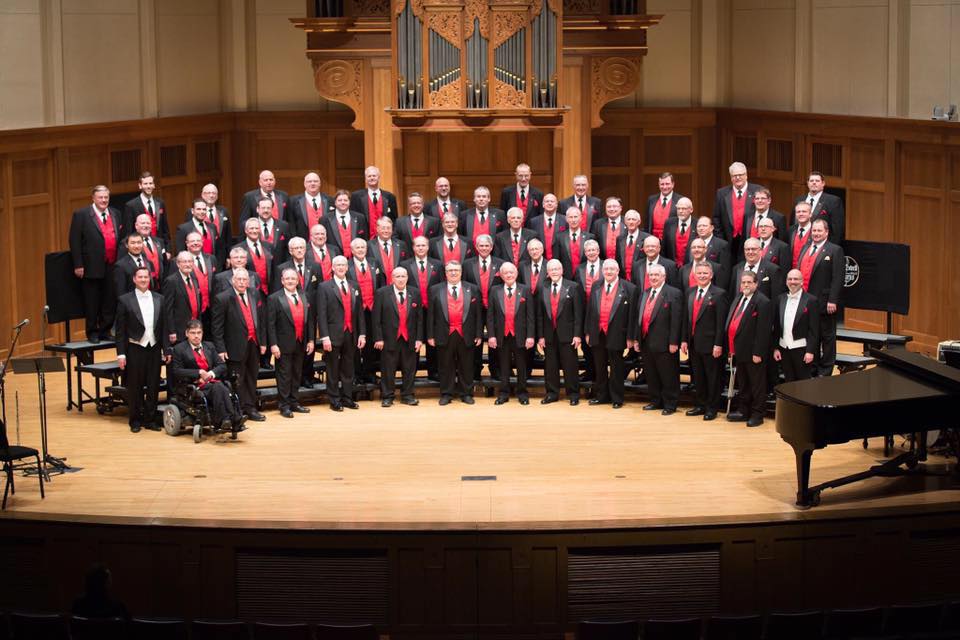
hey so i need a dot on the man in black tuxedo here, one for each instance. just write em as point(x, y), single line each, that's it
point(511, 243)
point(342, 328)
point(309, 275)
point(182, 299)
point(609, 230)
point(702, 334)
point(717, 249)
point(747, 329)
point(763, 211)
point(320, 253)
point(550, 226)
point(397, 330)
point(155, 250)
point(416, 223)
point(94, 244)
point(198, 223)
point(259, 259)
point(590, 207)
point(773, 249)
point(799, 232)
point(560, 328)
point(240, 336)
point(678, 231)
point(453, 327)
point(733, 209)
point(218, 218)
point(822, 265)
point(662, 206)
point(267, 189)
point(274, 234)
point(140, 338)
point(425, 272)
point(386, 249)
point(224, 280)
point(697, 256)
point(444, 202)
point(629, 245)
point(373, 202)
point(483, 270)
point(344, 225)
point(147, 202)
point(570, 251)
point(609, 329)
point(825, 206)
point(522, 194)
point(290, 331)
point(127, 266)
point(659, 317)
point(450, 246)
point(308, 208)
point(197, 362)
point(367, 274)
point(482, 218)
point(796, 328)
point(652, 257)
point(770, 277)
point(511, 331)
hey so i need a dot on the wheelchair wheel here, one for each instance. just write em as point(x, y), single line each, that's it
point(197, 432)
point(172, 420)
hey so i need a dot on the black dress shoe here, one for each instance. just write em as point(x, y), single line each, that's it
point(653, 406)
point(152, 426)
point(524, 401)
point(574, 402)
point(594, 401)
point(754, 422)
point(349, 404)
point(286, 413)
point(336, 406)
point(617, 405)
point(135, 428)
point(501, 400)
point(549, 399)
point(736, 416)
point(668, 412)
point(386, 402)
point(467, 400)
point(299, 408)
point(411, 402)
point(256, 416)
point(710, 415)
point(696, 411)
point(444, 401)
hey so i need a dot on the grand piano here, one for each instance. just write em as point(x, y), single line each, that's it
point(905, 393)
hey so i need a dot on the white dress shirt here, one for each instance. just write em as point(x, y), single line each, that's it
point(787, 340)
point(145, 301)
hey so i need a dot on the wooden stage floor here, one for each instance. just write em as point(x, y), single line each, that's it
point(556, 467)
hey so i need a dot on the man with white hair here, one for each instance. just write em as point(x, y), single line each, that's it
point(609, 329)
point(453, 327)
point(182, 300)
point(224, 280)
point(560, 329)
point(659, 319)
point(219, 218)
point(396, 328)
point(734, 208)
point(342, 330)
point(652, 257)
point(309, 275)
point(259, 257)
point(511, 331)
point(678, 232)
point(267, 188)
point(290, 331)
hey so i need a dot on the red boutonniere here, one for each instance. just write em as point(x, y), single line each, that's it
point(754, 314)
point(413, 304)
point(160, 209)
point(473, 299)
point(284, 205)
point(710, 303)
point(536, 203)
point(523, 299)
point(666, 305)
point(804, 310)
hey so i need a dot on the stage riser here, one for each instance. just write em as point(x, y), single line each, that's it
point(486, 583)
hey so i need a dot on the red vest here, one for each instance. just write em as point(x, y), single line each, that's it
point(611, 246)
point(515, 246)
point(375, 212)
point(660, 215)
point(260, 266)
point(628, 251)
point(737, 208)
point(575, 252)
point(455, 311)
point(387, 262)
point(345, 236)
point(153, 256)
point(697, 303)
point(648, 313)
point(554, 302)
point(365, 282)
point(347, 299)
point(485, 280)
point(734, 325)
point(534, 276)
point(806, 264)
point(248, 318)
point(798, 243)
point(548, 238)
point(509, 311)
point(682, 241)
point(204, 280)
point(588, 280)
point(606, 305)
point(275, 212)
point(423, 278)
point(297, 311)
point(109, 238)
point(448, 253)
point(402, 308)
point(325, 263)
point(481, 229)
point(313, 215)
point(192, 297)
point(416, 231)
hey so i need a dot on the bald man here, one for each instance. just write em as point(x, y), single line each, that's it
point(373, 201)
point(308, 208)
point(397, 331)
point(796, 327)
point(267, 189)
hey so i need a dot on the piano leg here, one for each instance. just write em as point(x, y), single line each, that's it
point(805, 498)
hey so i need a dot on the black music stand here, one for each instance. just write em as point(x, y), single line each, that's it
point(42, 366)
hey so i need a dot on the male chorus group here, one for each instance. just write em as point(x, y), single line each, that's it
point(367, 285)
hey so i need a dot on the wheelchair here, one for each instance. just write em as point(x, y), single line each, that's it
point(188, 411)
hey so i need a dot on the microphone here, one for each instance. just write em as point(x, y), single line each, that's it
point(23, 323)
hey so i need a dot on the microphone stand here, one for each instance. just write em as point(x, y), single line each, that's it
point(3, 375)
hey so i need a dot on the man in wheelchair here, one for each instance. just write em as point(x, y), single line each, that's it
point(198, 376)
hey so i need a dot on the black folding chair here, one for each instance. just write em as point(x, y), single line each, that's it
point(12, 456)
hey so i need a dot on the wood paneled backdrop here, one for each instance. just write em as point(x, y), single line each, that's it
point(902, 179)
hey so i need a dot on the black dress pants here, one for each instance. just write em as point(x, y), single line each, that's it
point(404, 358)
point(142, 380)
point(456, 366)
point(289, 368)
point(247, 369)
point(608, 370)
point(707, 380)
point(512, 354)
point(340, 368)
point(99, 304)
point(559, 356)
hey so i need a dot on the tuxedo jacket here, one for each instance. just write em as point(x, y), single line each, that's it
point(829, 208)
point(281, 330)
point(525, 274)
point(593, 209)
point(360, 202)
point(639, 275)
point(434, 271)
point(129, 321)
point(312, 276)
point(669, 243)
point(399, 252)
point(183, 366)
point(508, 199)
point(581, 278)
point(806, 323)
point(230, 334)
point(539, 227)
point(569, 318)
point(778, 252)
point(755, 329)
point(176, 299)
point(436, 248)
point(564, 255)
point(771, 279)
point(601, 227)
point(718, 276)
point(300, 216)
point(723, 213)
point(651, 205)
point(268, 260)
point(357, 224)
point(707, 332)
point(222, 223)
point(435, 210)
point(471, 272)
point(160, 248)
point(793, 239)
point(779, 223)
point(219, 244)
point(123, 272)
point(248, 207)
point(330, 312)
point(826, 279)
point(135, 207)
point(666, 319)
point(524, 313)
point(208, 264)
point(622, 249)
point(376, 269)
point(403, 229)
point(385, 321)
point(468, 220)
point(621, 323)
point(718, 250)
point(277, 244)
point(224, 280)
point(87, 246)
point(438, 313)
point(503, 243)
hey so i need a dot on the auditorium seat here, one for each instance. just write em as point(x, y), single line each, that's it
point(219, 630)
point(852, 623)
point(272, 631)
point(913, 618)
point(951, 616)
point(97, 628)
point(801, 625)
point(591, 630)
point(734, 628)
point(157, 629)
point(672, 629)
point(38, 626)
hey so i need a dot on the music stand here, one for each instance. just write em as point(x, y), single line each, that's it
point(42, 366)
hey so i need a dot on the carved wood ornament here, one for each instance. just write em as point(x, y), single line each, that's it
point(611, 78)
